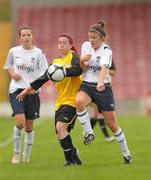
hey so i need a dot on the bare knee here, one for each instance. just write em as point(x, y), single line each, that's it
point(20, 124)
point(80, 104)
point(29, 125)
point(82, 100)
point(61, 130)
point(20, 121)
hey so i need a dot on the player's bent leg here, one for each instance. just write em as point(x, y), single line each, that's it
point(87, 129)
point(82, 100)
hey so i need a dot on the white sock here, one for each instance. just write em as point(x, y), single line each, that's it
point(85, 121)
point(120, 137)
point(29, 138)
point(17, 139)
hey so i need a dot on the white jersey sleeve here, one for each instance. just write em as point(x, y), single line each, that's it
point(86, 48)
point(42, 64)
point(9, 62)
point(106, 57)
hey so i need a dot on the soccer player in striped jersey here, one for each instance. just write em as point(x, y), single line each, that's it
point(65, 112)
point(96, 59)
point(24, 64)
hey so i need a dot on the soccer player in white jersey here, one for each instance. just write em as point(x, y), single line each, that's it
point(98, 118)
point(24, 64)
point(96, 58)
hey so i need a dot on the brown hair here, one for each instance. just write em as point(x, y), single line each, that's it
point(99, 28)
point(22, 28)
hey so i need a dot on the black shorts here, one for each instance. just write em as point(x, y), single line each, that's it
point(66, 114)
point(30, 106)
point(103, 99)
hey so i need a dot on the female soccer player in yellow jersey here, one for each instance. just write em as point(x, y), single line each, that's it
point(65, 114)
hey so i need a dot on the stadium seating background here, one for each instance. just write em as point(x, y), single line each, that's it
point(128, 25)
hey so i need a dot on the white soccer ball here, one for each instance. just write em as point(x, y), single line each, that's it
point(56, 72)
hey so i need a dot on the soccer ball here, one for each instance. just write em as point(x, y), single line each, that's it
point(56, 72)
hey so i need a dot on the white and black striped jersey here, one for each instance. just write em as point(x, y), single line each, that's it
point(100, 57)
point(29, 64)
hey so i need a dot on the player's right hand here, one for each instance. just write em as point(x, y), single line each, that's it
point(85, 58)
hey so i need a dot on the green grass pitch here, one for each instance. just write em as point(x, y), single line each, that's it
point(101, 160)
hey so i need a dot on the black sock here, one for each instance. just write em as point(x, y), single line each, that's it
point(93, 122)
point(103, 127)
point(67, 146)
